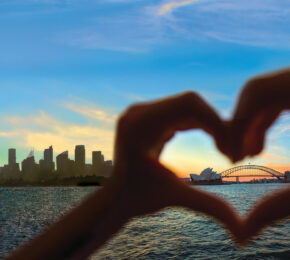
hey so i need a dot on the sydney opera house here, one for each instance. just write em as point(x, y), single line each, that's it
point(207, 176)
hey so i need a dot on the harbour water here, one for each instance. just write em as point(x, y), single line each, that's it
point(172, 233)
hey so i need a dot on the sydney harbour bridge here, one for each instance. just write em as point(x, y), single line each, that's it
point(251, 170)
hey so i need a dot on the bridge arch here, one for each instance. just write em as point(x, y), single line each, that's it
point(269, 171)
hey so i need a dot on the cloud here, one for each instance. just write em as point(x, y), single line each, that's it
point(239, 22)
point(119, 35)
point(282, 167)
point(92, 113)
point(143, 26)
point(169, 7)
point(42, 130)
point(270, 156)
point(8, 134)
point(130, 96)
point(281, 128)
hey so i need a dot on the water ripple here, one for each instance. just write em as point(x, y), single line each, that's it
point(172, 233)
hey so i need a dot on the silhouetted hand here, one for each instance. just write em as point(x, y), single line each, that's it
point(145, 185)
point(140, 184)
point(261, 102)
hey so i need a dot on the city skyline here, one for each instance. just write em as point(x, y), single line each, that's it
point(62, 171)
point(68, 69)
point(49, 160)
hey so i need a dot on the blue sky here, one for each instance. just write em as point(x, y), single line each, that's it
point(69, 68)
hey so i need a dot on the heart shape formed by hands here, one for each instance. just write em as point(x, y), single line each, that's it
point(140, 184)
point(259, 105)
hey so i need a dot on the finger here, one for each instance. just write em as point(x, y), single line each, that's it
point(260, 103)
point(148, 126)
point(174, 192)
point(270, 209)
point(213, 206)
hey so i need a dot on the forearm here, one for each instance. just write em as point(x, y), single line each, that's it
point(270, 209)
point(79, 232)
point(212, 205)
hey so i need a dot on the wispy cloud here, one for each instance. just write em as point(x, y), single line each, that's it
point(92, 113)
point(169, 7)
point(8, 134)
point(42, 130)
point(282, 167)
point(130, 96)
point(148, 25)
point(270, 156)
point(239, 22)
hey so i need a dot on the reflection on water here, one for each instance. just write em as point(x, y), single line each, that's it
point(169, 234)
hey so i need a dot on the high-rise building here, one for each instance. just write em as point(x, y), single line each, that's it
point(61, 162)
point(80, 160)
point(287, 176)
point(98, 162)
point(108, 167)
point(30, 170)
point(11, 156)
point(48, 159)
point(28, 165)
point(12, 169)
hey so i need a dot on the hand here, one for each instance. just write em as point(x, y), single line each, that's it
point(145, 185)
point(261, 102)
point(141, 184)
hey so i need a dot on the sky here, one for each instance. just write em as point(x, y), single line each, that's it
point(69, 68)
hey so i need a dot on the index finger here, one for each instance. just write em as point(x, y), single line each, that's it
point(260, 103)
point(270, 209)
point(148, 126)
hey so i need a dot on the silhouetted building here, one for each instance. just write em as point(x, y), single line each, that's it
point(107, 168)
point(30, 168)
point(88, 170)
point(41, 164)
point(11, 156)
point(71, 168)
point(80, 160)
point(48, 159)
point(64, 165)
point(287, 176)
point(98, 162)
point(12, 169)
point(33, 173)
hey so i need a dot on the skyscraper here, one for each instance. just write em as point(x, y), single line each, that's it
point(61, 162)
point(29, 166)
point(11, 156)
point(98, 162)
point(107, 169)
point(80, 160)
point(48, 159)
point(12, 168)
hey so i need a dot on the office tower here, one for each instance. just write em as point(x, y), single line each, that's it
point(12, 169)
point(109, 163)
point(48, 159)
point(41, 164)
point(11, 157)
point(80, 160)
point(28, 164)
point(98, 162)
point(62, 163)
point(107, 169)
